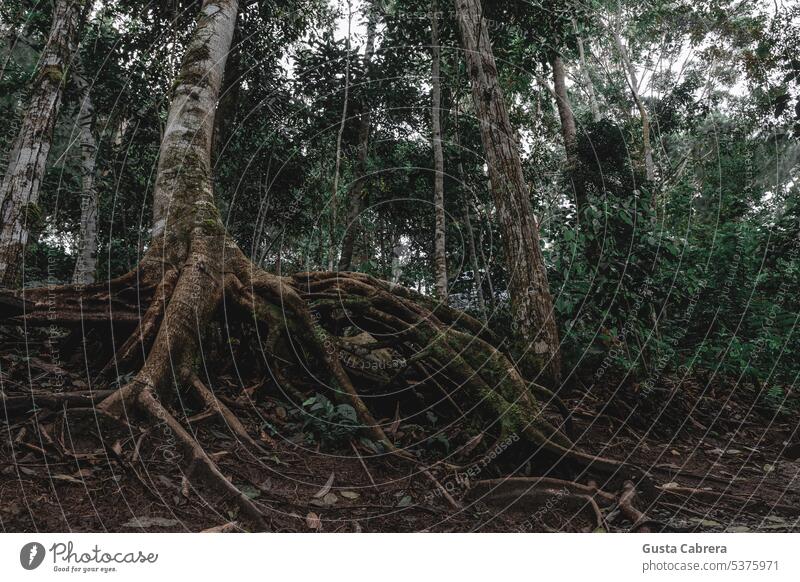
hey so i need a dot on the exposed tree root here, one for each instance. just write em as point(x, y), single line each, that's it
point(359, 336)
point(556, 491)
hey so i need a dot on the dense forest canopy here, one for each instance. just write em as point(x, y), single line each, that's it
point(607, 189)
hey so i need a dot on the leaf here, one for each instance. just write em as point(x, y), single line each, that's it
point(405, 501)
point(672, 485)
point(396, 422)
point(313, 521)
point(224, 528)
point(68, 478)
point(349, 494)
point(329, 500)
point(472, 443)
point(250, 492)
point(145, 522)
point(325, 488)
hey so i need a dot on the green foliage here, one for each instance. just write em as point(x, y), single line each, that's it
point(329, 424)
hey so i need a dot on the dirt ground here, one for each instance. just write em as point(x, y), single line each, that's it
point(716, 459)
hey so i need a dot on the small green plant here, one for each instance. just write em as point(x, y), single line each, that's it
point(329, 424)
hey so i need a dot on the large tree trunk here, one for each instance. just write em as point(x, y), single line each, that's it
point(531, 302)
point(19, 193)
point(356, 198)
point(86, 263)
point(440, 256)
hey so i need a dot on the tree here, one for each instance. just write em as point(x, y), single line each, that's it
point(440, 256)
point(355, 195)
point(193, 268)
point(86, 263)
point(19, 192)
point(532, 304)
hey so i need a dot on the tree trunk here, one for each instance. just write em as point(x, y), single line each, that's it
point(356, 199)
point(337, 169)
point(568, 131)
point(86, 263)
point(633, 83)
point(440, 256)
point(531, 302)
point(587, 78)
point(398, 250)
point(19, 193)
point(224, 117)
point(473, 257)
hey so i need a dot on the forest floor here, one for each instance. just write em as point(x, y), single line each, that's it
point(715, 462)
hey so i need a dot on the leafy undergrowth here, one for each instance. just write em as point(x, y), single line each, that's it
point(718, 459)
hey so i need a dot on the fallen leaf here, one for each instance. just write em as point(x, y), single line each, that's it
point(313, 521)
point(325, 488)
point(472, 443)
point(145, 522)
point(224, 528)
point(349, 494)
point(68, 478)
point(396, 421)
point(250, 492)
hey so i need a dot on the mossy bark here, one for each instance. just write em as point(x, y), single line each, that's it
point(26, 166)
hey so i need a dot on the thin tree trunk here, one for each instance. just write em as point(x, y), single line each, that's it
point(226, 109)
point(398, 249)
point(587, 78)
point(633, 83)
point(473, 253)
point(440, 256)
point(568, 131)
point(337, 169)
point(473, 258)
point(531, 302)
point(19, 193)
point(86, 263)
point(356, 198)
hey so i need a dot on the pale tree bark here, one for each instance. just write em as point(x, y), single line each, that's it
point(569, 132)
point(440, 256)
point(185, 155)
point(632, 80)
point(531, 302)
point(338, 164)
point(19, 192)
point(586, 75)
point(86, 263)
point(473, 257)
point(473, 253)
point(356, 198)
point(398, 250)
